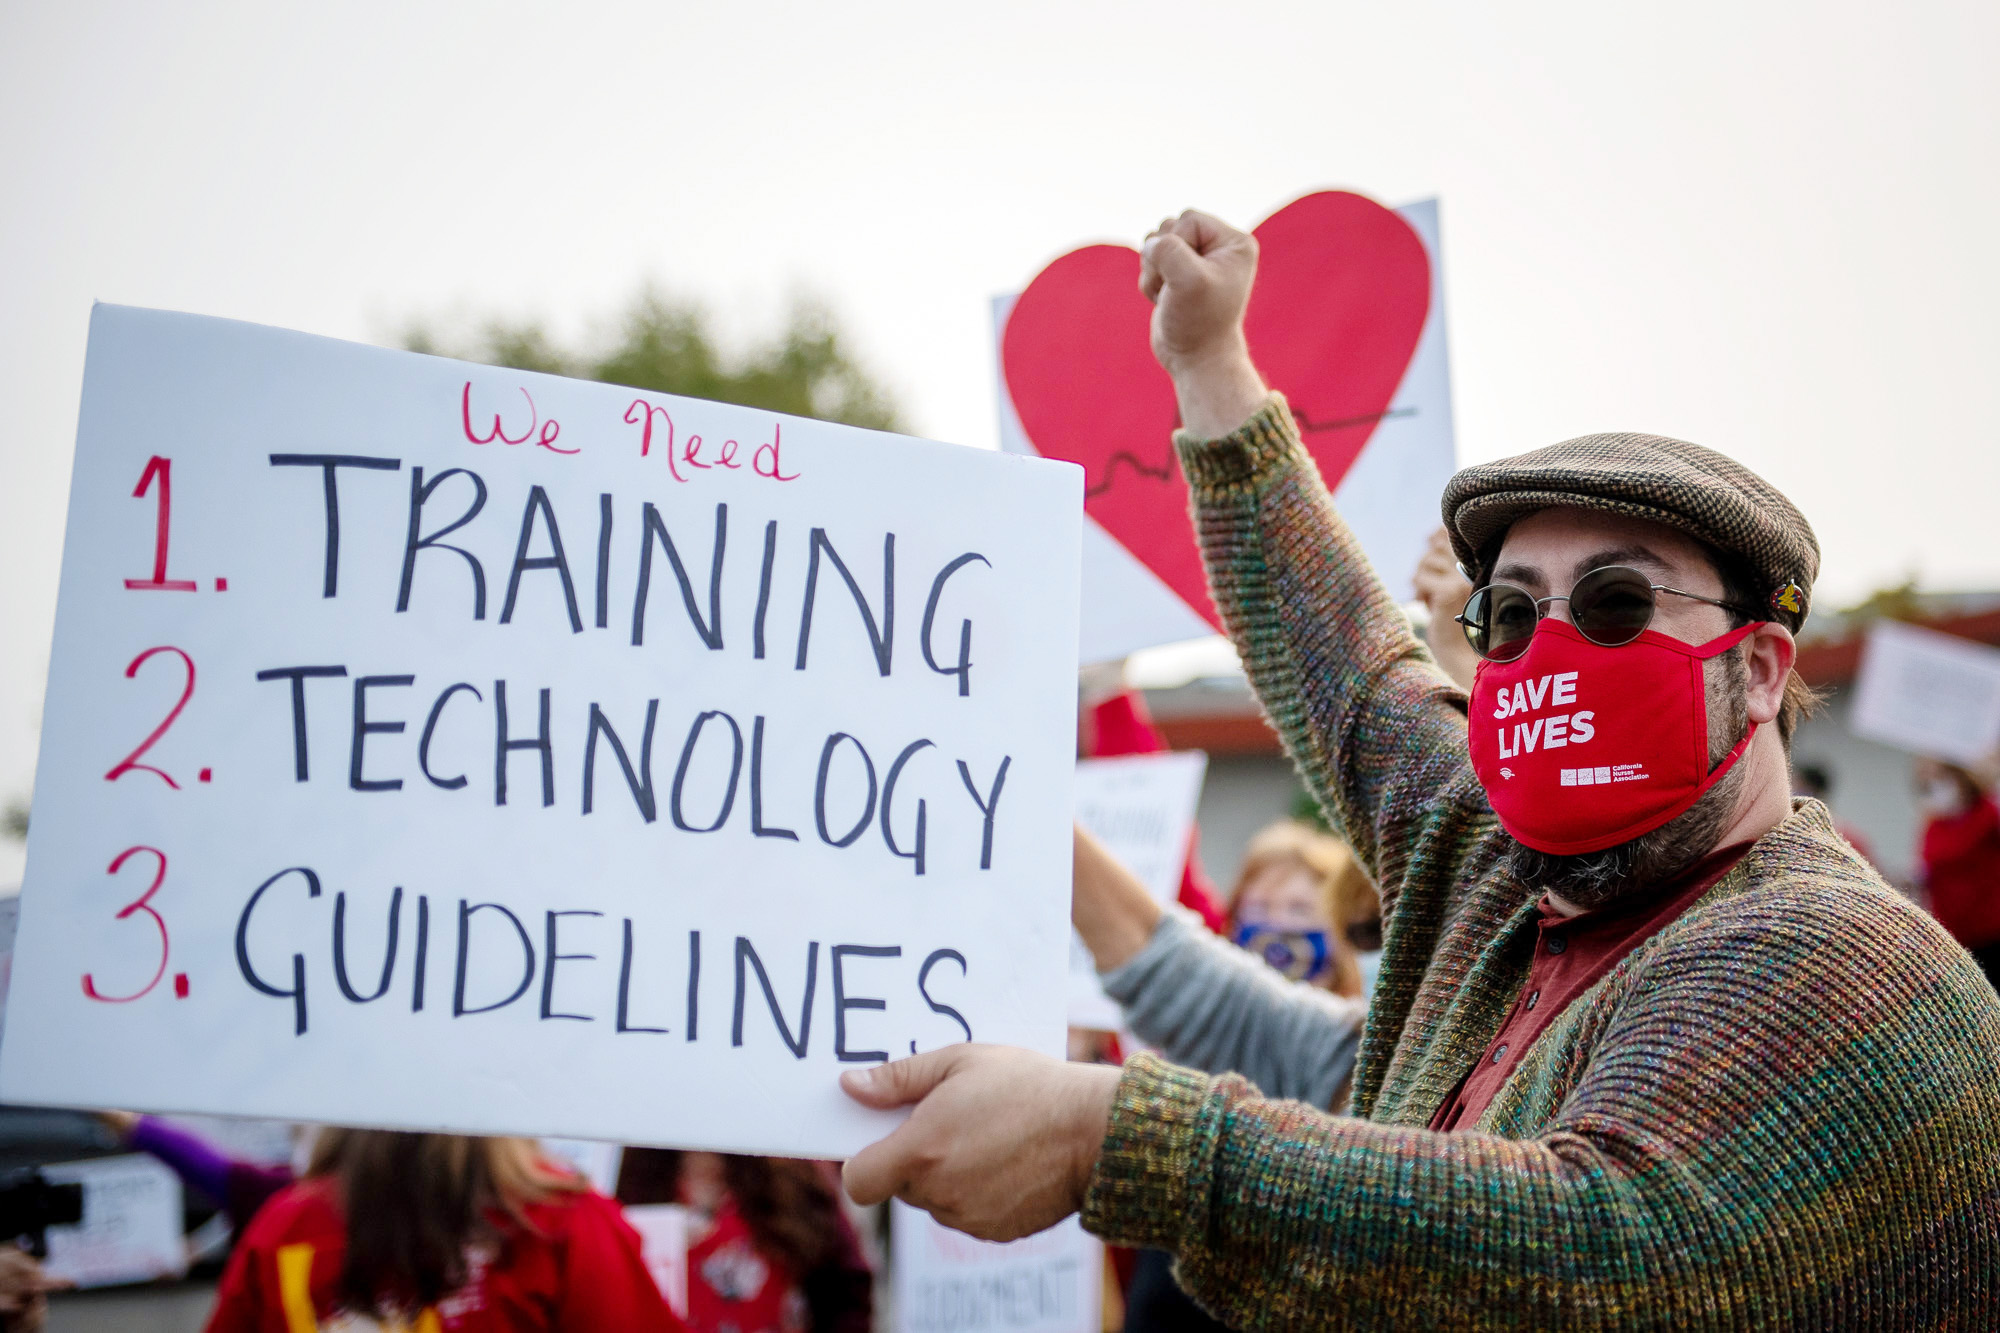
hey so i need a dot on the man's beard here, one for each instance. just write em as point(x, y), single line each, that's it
point(1632, 869)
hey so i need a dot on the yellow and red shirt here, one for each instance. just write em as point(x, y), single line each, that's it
point(575, 1268)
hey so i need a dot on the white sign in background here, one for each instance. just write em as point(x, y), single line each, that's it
point(1931, 693)
point(597, 1163)
point(131, 1227)
point(947, 1282)
point(442, 747)
point(1142, 808)
point(1389, 497)
point(663, 1230)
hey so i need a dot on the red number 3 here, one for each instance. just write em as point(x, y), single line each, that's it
point(143, 903)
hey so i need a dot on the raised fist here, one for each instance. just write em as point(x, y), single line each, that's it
point(1197, 271)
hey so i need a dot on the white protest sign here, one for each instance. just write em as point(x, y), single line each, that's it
point(663, 1229)
point(947, 1282)
point(1387, 493)
point(1932, 693)
point(1141, 807)
point(434, 746)
point(131, 1228)
point(597, 1163)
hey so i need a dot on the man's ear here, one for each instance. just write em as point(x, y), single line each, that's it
point(1768, 654)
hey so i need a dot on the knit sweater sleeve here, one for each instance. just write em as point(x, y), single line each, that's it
point(1377, 732)
point(1208, 1004)
point(1723, 1158)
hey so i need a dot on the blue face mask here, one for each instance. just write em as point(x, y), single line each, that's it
point(1302, 955)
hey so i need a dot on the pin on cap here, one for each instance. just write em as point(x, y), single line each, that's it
point(1789, 598)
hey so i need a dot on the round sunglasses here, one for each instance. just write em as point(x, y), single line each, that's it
point(1610, 607)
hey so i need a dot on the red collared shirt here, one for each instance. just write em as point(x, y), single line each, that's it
point(1572, 954)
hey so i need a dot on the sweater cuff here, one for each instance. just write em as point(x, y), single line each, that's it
point(1263, 444)
point(1146, 1182)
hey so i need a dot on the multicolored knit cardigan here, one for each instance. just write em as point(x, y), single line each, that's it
point(1783, 1110)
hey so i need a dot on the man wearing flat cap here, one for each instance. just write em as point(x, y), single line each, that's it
point(1651, 1045)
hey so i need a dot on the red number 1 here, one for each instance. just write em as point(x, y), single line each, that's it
point(163, 468)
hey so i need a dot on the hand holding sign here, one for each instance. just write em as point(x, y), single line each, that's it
point(1001, 1143)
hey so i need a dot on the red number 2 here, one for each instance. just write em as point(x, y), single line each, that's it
point(140, 904)
point(162, 468)
point(130, 762)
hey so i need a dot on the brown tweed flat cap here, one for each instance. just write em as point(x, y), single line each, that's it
point(1682, 485)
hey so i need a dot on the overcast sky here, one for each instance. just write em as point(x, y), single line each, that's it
point(1768, 228)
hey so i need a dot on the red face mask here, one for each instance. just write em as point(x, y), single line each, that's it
point(1581, 747)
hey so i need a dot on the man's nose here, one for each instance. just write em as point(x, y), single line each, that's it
point(1557, 608)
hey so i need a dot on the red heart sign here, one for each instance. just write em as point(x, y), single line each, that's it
point(1343, 287)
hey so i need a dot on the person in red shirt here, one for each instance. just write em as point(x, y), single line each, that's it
point(437, 1233)
point(769, 1249)
point(1961, 858)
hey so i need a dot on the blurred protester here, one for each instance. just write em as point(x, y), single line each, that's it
point(237, 1187)
point(437, 1233)
point(1117, 724)
point(1960, 857)
point(1442, 587)
point(1203, 1002)
point(24, 1291)
point(769, 1248)
point(1300, 903)
point(1816, 781)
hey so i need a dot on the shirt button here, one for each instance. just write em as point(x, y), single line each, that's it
point(1499, 1054)
point(1557, 943)
point(1533, 996)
